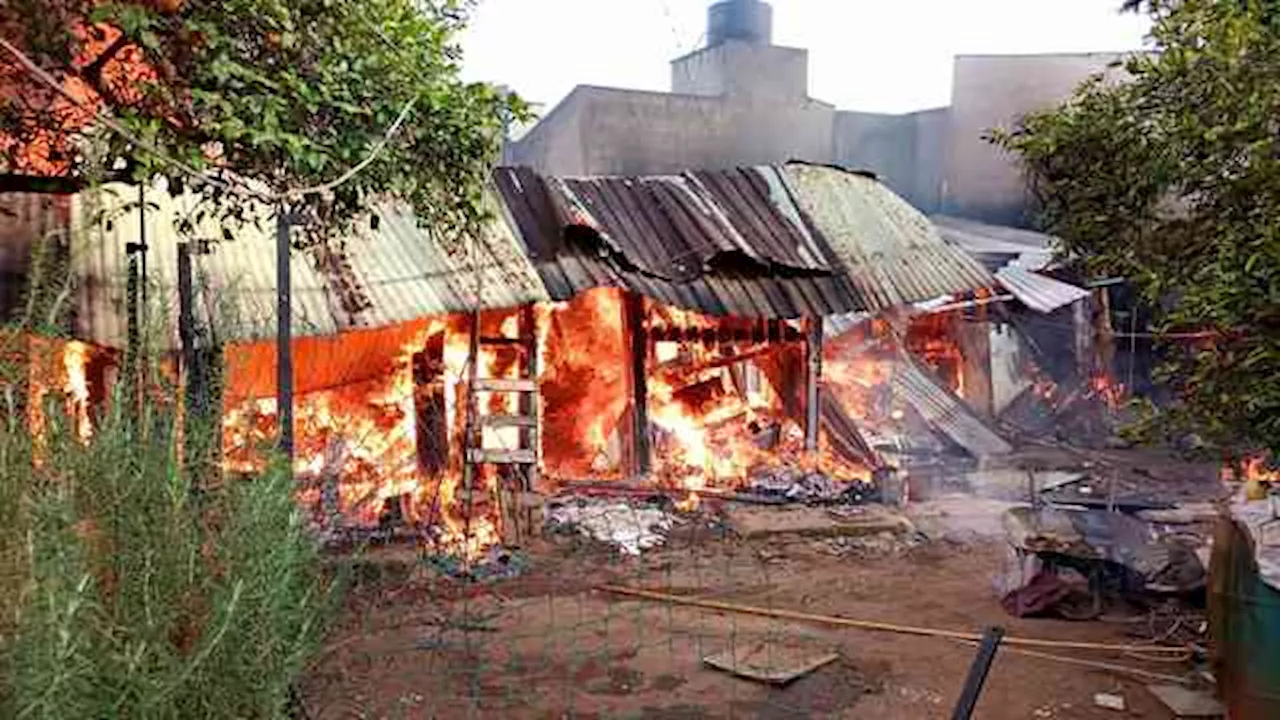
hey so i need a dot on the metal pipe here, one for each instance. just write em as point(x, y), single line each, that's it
point(978, 673)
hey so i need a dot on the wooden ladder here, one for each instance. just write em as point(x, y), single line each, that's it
point(517, 467)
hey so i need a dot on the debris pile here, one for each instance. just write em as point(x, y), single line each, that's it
point(632, 528)
point(792, 485)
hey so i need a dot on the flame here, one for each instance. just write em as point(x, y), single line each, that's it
point(61, 365)
point(932, 338)
point(716, 413)
point(1253, 468)
point(689, 504)
point(583, 385)
point(1104, 387)
point(75, 360)
point(362, 437)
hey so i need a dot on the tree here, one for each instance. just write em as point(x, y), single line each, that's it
point(284, 95)
point(1172, 179)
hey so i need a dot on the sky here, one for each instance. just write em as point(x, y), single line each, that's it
point(868, 55)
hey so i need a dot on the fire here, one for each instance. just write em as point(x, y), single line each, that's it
point(1104, 387)
point(932, 338)
point(75, 360)
point(583, 383)
point(356, 445)
point(62, 367)
point(1254, 468)
point(689, 504)
point(720, 409)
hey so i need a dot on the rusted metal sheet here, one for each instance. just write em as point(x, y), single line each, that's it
point(722, 243)
point(893, 254)
point(26, 221)
point(395, 273)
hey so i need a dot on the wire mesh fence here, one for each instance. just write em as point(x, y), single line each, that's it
point(542, 631)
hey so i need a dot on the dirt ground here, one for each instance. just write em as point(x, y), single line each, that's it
point(544, 644)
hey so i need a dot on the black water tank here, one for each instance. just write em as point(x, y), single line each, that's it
point(749, 20)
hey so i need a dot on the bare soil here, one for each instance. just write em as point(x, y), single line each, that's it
point(546, 645)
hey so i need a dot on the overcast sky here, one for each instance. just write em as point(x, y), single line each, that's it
point(869, 55)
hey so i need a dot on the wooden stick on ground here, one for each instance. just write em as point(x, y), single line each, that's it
point(881, 626)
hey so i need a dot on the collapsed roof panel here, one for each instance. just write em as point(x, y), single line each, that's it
point(945, 412)
point(721, 243)
point(1039, 292)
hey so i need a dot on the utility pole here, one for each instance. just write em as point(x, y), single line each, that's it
point(284, 332)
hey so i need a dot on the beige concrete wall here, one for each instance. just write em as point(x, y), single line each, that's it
point(556, 143)
point(626, 132)
point(762, 72)
point(990, 91)
point(905, 151)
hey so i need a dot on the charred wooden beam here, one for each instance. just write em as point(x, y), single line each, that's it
point(775, 332)
point(813, 374)
point(429, 406)
point(638, 350)
point(682, 366)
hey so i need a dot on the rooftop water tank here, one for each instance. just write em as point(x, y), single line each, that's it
point(748, 20)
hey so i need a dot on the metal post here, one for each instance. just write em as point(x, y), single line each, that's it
point(284, 333)
point(133, 343)
point(142, 249)
point(813, 374)
point(978, 673)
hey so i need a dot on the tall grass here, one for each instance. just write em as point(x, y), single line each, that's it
point(129, 592)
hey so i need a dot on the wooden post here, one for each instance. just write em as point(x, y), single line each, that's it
point(813, 374)
point(429, 405)
point(638, 350)
point(530, 403)
point(284, 333)
point(190, 372)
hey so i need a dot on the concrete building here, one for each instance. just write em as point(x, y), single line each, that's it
point(742, 100)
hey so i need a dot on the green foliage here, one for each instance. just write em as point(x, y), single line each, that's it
point(1172, 179)
point(130, 593)
point(288, 95)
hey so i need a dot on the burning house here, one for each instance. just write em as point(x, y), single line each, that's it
point(706, 333)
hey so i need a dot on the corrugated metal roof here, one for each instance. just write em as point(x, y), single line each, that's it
point(26, 221)
point(892, 253)
point(996, 245)
point(945, 412)
point(391, 275)
point(1039, 292)
point(723, 243)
